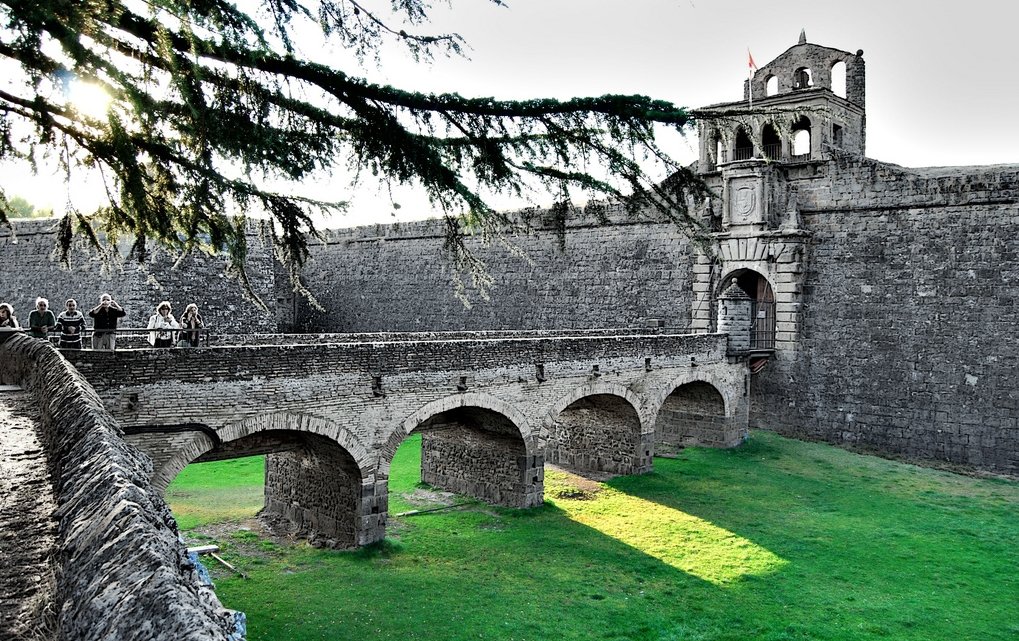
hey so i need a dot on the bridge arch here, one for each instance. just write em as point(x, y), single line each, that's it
point(201, 444)
point(696, 408)
point(301, 422)
point(600, 427)
point(319, 477)
point(474, 444)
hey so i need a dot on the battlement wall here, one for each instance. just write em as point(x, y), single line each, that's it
point(122, 573)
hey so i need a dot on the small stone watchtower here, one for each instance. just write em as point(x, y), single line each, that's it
point(763, 157)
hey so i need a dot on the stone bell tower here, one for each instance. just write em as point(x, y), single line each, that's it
point(762, 157)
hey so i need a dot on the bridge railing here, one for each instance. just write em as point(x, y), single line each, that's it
point(408, 337)
point(135, 337)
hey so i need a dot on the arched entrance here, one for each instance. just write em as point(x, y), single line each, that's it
point(757, 287)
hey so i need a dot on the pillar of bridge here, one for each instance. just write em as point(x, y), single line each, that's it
point(318, 489)
point(480, 453)
point(600, 433)
point(694, 415)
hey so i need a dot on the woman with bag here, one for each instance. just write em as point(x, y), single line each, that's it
point(162, 323)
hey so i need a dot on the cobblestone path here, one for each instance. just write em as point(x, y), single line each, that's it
point(27, 529)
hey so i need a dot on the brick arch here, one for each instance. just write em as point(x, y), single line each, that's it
point(301, 422)
point(282, 421)
point(591, 389)
point(725, 391)
point(608, 443)
point(467, 399)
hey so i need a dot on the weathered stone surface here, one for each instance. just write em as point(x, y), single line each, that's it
point(121, 571)
point(907, 338)
point(27, 529)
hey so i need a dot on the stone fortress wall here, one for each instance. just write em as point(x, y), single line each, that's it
point(397, 278)
point(904, 342)
point(908, 342)
point(29, 268)
point(120, 572)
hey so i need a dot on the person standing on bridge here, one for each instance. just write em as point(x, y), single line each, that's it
point(162, 322)
point(7, 318)
point(104, 323)
point(191, 324)
point(41, 320)
point(71, 323)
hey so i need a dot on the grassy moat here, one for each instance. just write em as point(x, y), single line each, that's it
point(776, 540)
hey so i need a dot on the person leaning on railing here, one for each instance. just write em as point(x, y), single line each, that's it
point(41, 320)
point(104, 323)
point(72, 324)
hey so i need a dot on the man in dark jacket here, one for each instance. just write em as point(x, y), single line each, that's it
point(104, 325)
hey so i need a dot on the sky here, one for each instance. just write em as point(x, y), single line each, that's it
point(942, 79)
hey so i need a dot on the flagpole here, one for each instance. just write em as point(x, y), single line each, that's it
point(750, 78)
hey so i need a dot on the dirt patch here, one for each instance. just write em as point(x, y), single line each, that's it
point(561, 483)
point(245, 537)
point(429, 498)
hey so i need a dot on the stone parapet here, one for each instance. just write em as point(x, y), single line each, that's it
point(122, 572)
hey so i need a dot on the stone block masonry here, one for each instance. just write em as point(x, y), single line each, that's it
point(121, 571)
point(317, 489)
point(397, 278)
point(908, 340)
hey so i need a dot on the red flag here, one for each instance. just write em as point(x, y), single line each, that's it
point(751, 63)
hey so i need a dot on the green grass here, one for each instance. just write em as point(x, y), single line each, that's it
point(776, 540)
point(206, 493)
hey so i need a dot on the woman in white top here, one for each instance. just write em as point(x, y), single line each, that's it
point(162, 322)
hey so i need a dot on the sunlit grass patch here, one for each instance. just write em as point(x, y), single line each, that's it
point(678, 539)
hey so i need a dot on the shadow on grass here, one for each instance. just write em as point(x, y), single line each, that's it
point(849, 556)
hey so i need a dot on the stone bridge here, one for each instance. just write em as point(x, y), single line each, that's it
point(330, 411)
